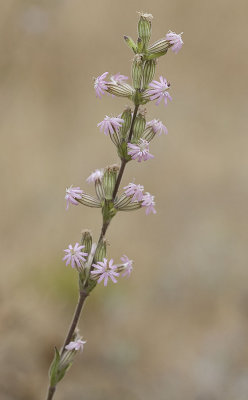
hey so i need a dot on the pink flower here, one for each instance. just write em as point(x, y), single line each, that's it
point(105, 270)
point(139, 151)
point(100, 85)
point(74, 255)
point(97, 174)
point(157, 126)
point(149, 203)
point(77, 345)
point(72, 194)
point(134, 190)
point(110, 125)
point(175, 40)
point(118, 78)
point(128, 266)
point(159, 91)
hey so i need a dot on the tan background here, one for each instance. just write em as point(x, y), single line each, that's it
point(178, 329)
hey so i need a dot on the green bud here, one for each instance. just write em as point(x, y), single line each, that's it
point(149, 72)
point(109, 180)
point(138, 127)
point(137, 71)
point(140, 45)
point(86, 241)
point(101, 251)
point(127, 118)
point(129, 41)
point(144, 28)
point(59, 366)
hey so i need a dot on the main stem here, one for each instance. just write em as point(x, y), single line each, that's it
point(83, 295)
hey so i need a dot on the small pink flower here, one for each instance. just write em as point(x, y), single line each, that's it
point(97, 174)
point(128, 266)
point(72, 194)
point(110, 125)
point(105, 270)
point(74, 255)
point(100, 85)
point(134, 190)
point(149, 203)
point(175, 40)
point(157, 126)
point(77, 345)
point(139, 151)
point(118, 78)
point(158, 91)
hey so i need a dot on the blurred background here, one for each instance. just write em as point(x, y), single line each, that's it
point(178, 329)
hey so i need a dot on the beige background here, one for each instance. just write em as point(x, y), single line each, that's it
point(178, 329)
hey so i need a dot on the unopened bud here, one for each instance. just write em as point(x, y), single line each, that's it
point(86, 240)
point(140, 45)
point(120, 89)
point(129, 41)
point(144, 28)
point(138, 127)
point(149, 72)
point(101, 251)
point(137, 71)
point(109, 180)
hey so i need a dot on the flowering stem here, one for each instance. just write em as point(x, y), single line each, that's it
point(124, 162)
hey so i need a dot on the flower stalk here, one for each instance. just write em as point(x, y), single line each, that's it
point(131, 135)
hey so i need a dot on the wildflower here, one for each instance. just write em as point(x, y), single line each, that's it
point(134, 190)
point(128, 266)
point(72, 194)
point(157, 126)
point(74, 255)
point(158, 90)
point(100, 85)
point(149, 203)
point(139, 151)
point(105, 270)
point(77, 345)
point(110, 125)
point(118, 78)
point(175, 40)
point(97, 174)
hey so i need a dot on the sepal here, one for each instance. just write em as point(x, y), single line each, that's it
point(138, 127)
point(89, 201)
point(145, 28)
point(149, 72)
point(109, 180)
point(137, 71)
point(120, 89)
